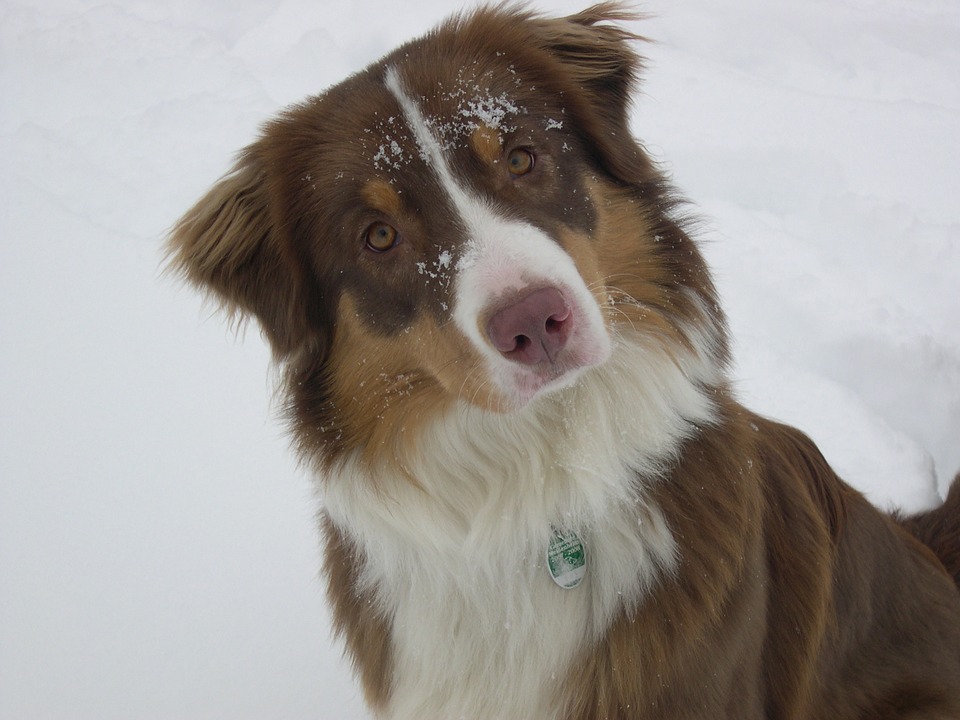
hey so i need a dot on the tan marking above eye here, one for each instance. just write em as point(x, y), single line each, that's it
point(382, 237)
point(382, 197)
point(487, 143)
point(520, 162)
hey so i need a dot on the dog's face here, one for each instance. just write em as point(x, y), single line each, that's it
point(467, 224)
point(467, 220)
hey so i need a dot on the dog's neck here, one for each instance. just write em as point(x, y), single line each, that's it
point(454, 536)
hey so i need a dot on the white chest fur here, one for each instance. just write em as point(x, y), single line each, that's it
point(491, 639)
point(458, 566)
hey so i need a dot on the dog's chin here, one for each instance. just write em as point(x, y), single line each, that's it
point(519, 387)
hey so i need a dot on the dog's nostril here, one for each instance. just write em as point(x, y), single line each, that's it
point(532, 329)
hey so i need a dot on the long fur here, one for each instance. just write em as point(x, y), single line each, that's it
point(730, 572)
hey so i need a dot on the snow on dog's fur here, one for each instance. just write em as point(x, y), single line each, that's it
point(493, 327)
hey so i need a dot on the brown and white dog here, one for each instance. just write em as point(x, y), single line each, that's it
point(505, 359)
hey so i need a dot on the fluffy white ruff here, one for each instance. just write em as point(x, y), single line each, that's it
point(457, 561)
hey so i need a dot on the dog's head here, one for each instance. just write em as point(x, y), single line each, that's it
point(467, 220)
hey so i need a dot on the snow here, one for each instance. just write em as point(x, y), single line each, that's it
point(158, 553)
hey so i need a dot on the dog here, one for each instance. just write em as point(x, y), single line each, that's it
point(505, 360)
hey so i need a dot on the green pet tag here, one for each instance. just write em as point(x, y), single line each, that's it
point(566, 558)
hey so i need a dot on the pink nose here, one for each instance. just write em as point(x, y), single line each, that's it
point(532, 329)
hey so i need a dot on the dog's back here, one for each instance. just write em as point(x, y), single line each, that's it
point(939, 529)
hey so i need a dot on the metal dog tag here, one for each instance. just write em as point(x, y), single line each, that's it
point(566, 558)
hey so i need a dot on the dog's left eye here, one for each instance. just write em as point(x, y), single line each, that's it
point(382, 237)
point(520, 162)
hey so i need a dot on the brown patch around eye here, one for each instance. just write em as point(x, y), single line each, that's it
point(487, 144)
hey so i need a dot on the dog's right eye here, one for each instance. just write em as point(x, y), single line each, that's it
point(520, 162)
point(382, 237)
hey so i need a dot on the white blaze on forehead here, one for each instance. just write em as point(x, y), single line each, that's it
point(428, 144)
point(500, 255)
point(475, 214)
point(503, 242)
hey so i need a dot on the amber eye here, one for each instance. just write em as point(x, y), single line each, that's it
point(381, 237)
point(520, 162)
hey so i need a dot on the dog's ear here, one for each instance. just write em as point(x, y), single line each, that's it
point(598, 58)
point(229, 244)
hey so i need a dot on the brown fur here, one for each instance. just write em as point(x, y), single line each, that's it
point(939, 530)
point(794, 599)
point(366, 632)
point(792, 603)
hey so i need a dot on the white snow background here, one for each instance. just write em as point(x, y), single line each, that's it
point(158, 555)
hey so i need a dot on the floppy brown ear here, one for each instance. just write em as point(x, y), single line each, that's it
point(228, 244)
point(598, 56)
